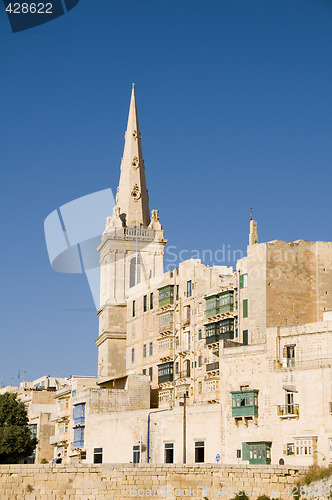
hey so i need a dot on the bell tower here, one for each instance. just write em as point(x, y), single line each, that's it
point(131, 251)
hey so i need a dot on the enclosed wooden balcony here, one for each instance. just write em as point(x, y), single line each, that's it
point(245, 403)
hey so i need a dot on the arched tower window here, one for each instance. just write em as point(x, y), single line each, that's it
point(135, 272)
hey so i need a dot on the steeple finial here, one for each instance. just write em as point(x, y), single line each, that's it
point(132, 196)
point(251, 214)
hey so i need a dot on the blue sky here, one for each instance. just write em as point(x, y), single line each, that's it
point(235, 108)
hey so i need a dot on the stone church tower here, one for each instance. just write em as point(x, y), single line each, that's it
point(131, 251)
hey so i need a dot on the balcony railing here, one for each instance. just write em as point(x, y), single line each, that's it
point(211, 367)
point(290, 410)
point(134, 232)
point(300, 364)
point(183, 374)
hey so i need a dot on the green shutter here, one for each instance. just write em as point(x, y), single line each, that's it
point(241, 280)
point(245, 451)
point(245, 308)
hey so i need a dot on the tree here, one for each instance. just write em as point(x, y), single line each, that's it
point(16, 442)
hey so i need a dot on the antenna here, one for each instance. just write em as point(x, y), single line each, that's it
point(251, 214)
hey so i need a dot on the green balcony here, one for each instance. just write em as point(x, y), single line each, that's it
point(245, 403)
point(257, 452)
point(211, 305)
point(220, 330)
point(212, 333)
point(166, 295)
point(165, 372)
point(219, 304)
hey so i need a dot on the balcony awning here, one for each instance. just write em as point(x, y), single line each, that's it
point(289, 388)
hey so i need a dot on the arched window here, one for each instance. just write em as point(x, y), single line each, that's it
point(135, 272)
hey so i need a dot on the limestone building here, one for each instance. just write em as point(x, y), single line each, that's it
point(200, 361)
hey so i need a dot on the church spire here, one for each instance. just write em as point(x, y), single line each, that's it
point(132, 196)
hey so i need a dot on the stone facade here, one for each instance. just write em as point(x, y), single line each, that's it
point(124, 481)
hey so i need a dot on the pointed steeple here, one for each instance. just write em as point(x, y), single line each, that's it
point(132, 196)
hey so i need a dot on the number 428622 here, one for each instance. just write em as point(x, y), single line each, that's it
point(32, 8)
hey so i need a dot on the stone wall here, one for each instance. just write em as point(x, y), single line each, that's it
point(125, 481)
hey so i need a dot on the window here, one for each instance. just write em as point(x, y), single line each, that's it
point(132, 355)
point(211, 386)
point(305, 446)
point(199, 361)
point(166, 295)
point(33, 430)
point(165, 372)
point(200, 387)
point(73, 394)
point(199, 451)
point(289, 402)
point(150, 373)
point(245, 403)
point(177, 367)
point(79, 413)
point(78, 437)
point(290, 449)
point(151, 348)
point(169, 453)
point(187, 368)
point(144, 371)
point(136, 455)
point(135, 272)
point(144, 351)
point(63, 428)
point(289, 355)
point(133, 309)
point(238, 453)
point(245, 308)
point(189, 288)
point(186, 311)
point(98, 456)
point(151, 300)
point(165, 344)
point(145, 303)
point(177, 292)
point(245, 337)
point(199, 334)
point(243, 280)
